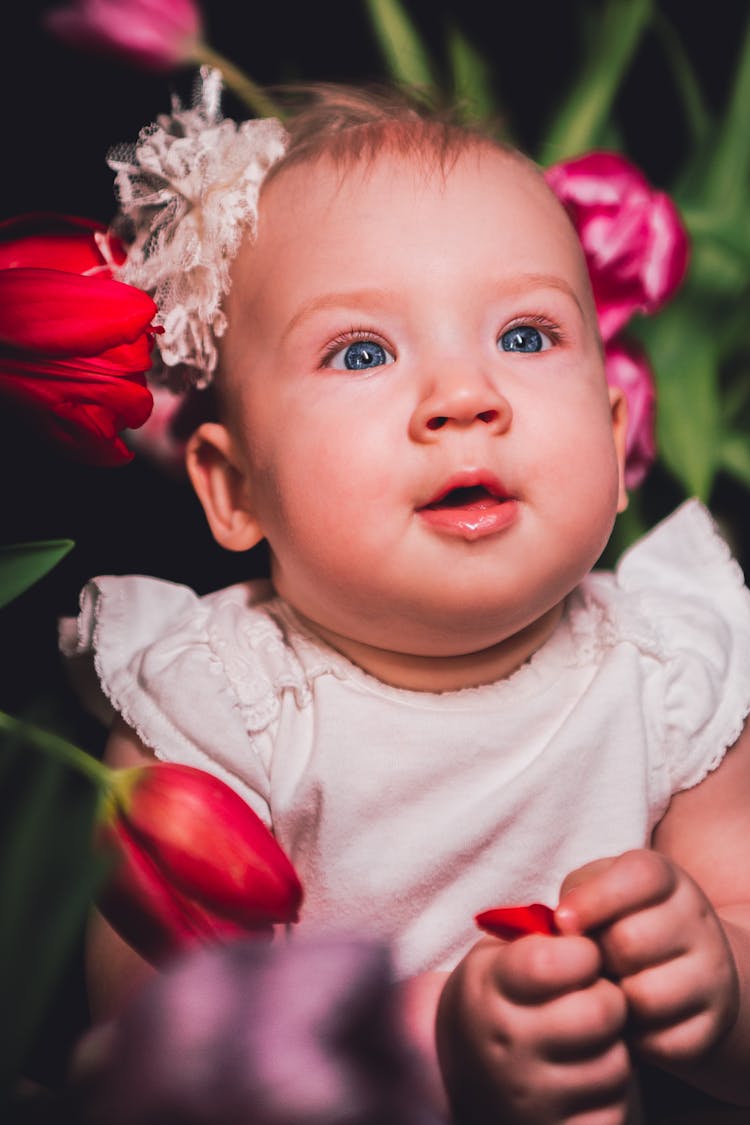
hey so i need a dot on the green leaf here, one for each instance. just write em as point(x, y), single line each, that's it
point(23, 564)
point(586, 110)
point(48, 877)
point(697, 117)
point(734, 456)
point(471, 77)
point(728, 172)
point(405, 54)
point(680, 344)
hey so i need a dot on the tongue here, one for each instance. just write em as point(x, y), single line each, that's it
point(469, 498)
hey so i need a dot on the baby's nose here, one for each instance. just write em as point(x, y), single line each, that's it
point(460, 406)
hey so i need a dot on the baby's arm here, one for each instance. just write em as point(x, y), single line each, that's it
point(531, 1032)
point(674, 929)
point(113, 969)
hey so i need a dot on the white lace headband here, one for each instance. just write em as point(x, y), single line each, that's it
point(188, 191)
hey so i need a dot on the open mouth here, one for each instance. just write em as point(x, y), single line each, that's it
point(474, 498)
point(472, 505)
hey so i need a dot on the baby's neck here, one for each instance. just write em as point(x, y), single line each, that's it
point(444, 673)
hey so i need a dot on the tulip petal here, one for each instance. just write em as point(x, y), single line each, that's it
point(46, 311)
point(48, 240)
point(511, 922)
point(635, 243)
point(627, 367)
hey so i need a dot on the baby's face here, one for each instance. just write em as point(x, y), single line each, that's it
point(418, 400)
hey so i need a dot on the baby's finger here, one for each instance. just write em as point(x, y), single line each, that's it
point(634, 881)
point(582, 1024)
point(637, 941)
point(537, 968)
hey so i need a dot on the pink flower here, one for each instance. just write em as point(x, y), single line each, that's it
point(627, 368)
point(74, 343)
point(635, 243)
point(155, 34)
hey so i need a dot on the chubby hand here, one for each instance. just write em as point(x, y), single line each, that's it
point(663, 943)
point(531, 1032)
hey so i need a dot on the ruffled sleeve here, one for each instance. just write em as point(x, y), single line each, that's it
point(153, 647)
point(691, 593)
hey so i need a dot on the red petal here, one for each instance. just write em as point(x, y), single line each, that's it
point(47, 240)
point(46, 311)
point(510, 922)
point(80, 410)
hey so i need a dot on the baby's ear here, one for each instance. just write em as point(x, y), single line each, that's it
point(619, 407)
point(223, 487)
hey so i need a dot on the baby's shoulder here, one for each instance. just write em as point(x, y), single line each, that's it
point(163, 640)
point(677, 602)
point(677, 589)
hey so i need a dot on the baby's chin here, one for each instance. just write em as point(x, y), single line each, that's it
point(419, 657)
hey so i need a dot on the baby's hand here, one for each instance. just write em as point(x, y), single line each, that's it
point(662, 941)
point(530, 1032)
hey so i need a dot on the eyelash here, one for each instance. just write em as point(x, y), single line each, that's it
point(550, 329)
point(352, 336)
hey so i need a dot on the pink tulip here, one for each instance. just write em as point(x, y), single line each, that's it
point(627, 368)
point(155, 34)
point(635, 243)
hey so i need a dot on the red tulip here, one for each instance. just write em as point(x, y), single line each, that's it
point(511, 922)
point(626, 367)
point(192, 862)
point(74, 343)
point(635, 243)
point(155, 34)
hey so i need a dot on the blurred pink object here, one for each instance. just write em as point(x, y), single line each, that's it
point(635, 243)
point(155, 34)
point(299, 1033)
point(159, 439)
point(627, 368)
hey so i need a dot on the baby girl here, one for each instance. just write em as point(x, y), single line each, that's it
point(434, 702)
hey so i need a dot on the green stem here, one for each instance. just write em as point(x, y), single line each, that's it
point(616, 36)
point(237, 81)
point(58, 748)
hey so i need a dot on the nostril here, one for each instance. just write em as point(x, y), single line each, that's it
point(487, 416)
point(436, 423)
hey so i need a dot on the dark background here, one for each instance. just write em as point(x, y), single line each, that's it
point(62, 110)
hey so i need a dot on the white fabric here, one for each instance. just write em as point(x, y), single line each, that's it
point(405, 812)
point(188, 190)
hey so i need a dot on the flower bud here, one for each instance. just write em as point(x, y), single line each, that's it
point(154, 34)
point(634, 240)
point(192, 862)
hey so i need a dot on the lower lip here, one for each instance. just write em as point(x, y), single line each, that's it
point(473, 521)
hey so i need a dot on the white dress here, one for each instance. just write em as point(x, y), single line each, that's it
point(407, 812)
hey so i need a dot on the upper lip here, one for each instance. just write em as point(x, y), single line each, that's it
point(470, 478)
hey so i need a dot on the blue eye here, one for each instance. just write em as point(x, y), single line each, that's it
point(524, 338)
point(362, 355)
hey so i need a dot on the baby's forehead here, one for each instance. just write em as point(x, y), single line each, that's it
point(336, 179)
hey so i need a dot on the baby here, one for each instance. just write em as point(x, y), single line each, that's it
point(434, 702)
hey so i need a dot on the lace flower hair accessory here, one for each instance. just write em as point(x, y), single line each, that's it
point(188, 191)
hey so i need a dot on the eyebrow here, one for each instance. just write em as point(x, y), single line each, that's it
point(353, 297)
point(544, 281)
point(347, 297)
